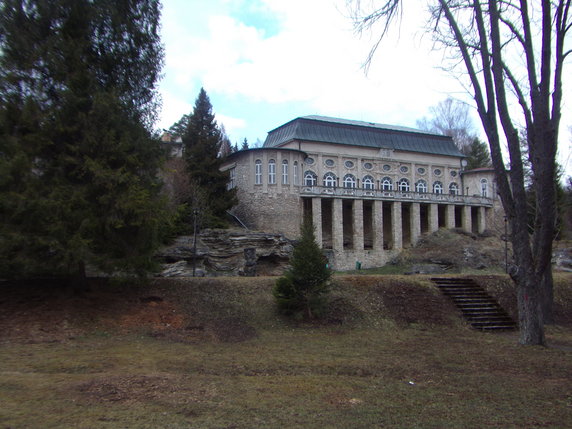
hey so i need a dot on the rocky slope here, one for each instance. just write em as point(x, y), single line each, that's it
point(226, 253)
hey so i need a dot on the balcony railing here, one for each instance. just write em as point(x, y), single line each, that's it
point(419, 197)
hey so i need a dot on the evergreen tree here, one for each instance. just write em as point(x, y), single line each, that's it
point(78, 162)
point(477, 154)
point(244, 144)
point(179, 127)
point(301, 291)
point(202, 140)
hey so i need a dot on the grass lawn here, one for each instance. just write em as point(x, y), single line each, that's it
point(357, 374)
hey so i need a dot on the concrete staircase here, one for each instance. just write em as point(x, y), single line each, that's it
point(477, 306)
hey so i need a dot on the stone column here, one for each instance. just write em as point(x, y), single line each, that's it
point(415, 223)
point(482, 220)
point(377, 225)
point(358, 224)
point(317, 218)
point(466, 219)
point(396, 225)
point(433, 218)
point(450, 216)
point(337, 225)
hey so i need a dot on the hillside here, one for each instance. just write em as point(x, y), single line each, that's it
point(213, 353)
point(232, 309)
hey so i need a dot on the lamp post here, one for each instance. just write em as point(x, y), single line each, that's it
point(195, 215)
point(462, 174)
point(505, 244)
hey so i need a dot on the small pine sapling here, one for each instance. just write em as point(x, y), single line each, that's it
point(301, 292)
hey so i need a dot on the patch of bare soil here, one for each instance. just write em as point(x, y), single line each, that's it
point(49, 311)
point(126, 389)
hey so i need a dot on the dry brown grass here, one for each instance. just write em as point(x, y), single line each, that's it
point(213, 353)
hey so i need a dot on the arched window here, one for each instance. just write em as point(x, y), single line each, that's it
point(437, 188)
point(310, 178)
point(258, 172)
point(330, 180)
point(349, 181)
point(386, 184)
point(285, 172)
point(367, 183)
point(403, 185)
point(295, 172)
point(421, 186)
point(484, 188)
point(271, 172)
point(454, 189)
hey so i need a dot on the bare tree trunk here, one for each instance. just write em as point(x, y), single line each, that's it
point(528, 284)
point(547, 297)
point(484, 34)
point(529, 310)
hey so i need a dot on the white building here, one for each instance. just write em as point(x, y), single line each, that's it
point(370, 189)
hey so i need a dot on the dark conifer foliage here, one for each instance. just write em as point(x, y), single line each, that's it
point(78, 162)
point(202, 141)
point(179, 128)
point(477, 153)
point(302, 290)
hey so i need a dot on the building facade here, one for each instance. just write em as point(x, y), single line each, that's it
point(370, 189)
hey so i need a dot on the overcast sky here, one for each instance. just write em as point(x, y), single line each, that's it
point(266, 62)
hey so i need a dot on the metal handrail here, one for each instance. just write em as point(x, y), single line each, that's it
point(394, 195)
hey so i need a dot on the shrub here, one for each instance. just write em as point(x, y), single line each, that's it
point(301, 292)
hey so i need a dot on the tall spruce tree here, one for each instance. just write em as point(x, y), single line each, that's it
point(78, 162)
point(202, 140)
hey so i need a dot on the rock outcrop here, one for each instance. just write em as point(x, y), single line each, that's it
point(562, 259)
point(226, 253)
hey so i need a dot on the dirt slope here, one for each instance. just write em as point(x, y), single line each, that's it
point(230, 309)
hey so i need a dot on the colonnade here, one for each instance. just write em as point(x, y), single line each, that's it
point(358, 224)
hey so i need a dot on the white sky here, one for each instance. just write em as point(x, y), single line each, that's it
point(266, 62)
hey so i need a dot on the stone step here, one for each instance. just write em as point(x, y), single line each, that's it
point(480, 311)
point(476, 305)
point(463, 291)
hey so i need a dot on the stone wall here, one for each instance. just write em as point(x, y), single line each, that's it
point(268, 206)
point(271, 211)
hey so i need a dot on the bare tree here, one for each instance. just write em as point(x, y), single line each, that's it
point(450, 118)
point(513, 52)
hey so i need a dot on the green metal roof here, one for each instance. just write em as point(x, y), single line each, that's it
point(359, 133)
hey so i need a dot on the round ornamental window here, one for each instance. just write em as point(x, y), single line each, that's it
point(421, 170)
point(309, 161)
point(437, 172)
point(349, 164)
point(367, 165)
point(403, 169)
point(329, 162)
point(453, 174)
point(386, 167)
